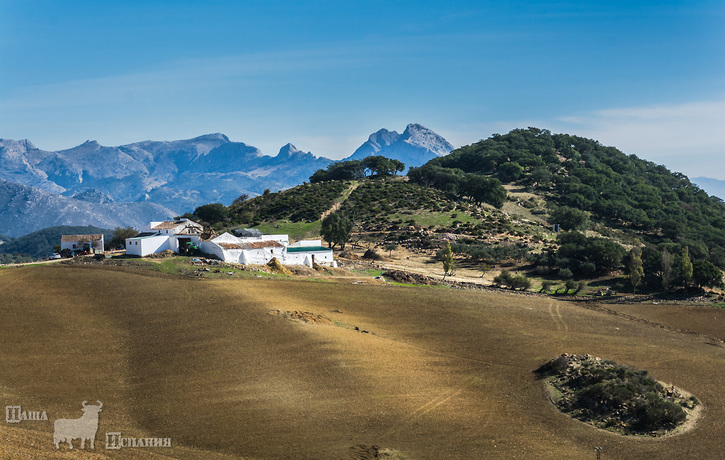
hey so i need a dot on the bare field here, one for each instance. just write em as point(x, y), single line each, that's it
point(440, 373)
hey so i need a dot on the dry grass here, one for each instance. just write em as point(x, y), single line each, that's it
point(442, 373)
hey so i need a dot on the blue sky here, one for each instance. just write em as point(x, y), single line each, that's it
point(646, 77)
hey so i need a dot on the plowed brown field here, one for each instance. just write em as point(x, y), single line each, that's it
point(439, 373)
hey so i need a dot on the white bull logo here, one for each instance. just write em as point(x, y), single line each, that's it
point(83, 428)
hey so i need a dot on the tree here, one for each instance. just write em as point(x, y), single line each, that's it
point(482, 189)
point(484, 268)
point(666, 269)
point(212, 213)
point(344, 170)
point(570, 285)
point(381, 166)
point(634, 268)
point(510, 172)
point(503, 278)
point(240, 199)
point(546, 285)
point(447, 259)
point(390, 247)
point(119, 237)
point(336, 229)
point(706, 274)
point(520, 282)
point(686, 267)
point(569, 218)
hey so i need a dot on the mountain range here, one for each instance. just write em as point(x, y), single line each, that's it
point(131, 184)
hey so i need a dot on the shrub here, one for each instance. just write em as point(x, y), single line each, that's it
point(520, 282)
point(546, 286)
point(565, 274)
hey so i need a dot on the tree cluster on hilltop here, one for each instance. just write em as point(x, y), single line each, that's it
point(580, 175)
point(375, 165)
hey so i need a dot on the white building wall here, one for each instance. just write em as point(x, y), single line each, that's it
point(147, 245)
point(306, 243)
point(68, 245)
point(211, 248)
point(305, 258)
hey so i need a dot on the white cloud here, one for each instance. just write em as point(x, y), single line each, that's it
point(688, 137)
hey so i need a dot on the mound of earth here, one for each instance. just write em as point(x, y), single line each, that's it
point(276, 267)
point(400, 276)
point(617, 398)
point(303, 316)
point(372, 255)
point(162, 255)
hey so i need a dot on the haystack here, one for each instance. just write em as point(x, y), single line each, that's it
point(276, 267)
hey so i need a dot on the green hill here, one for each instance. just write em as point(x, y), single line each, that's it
point(618, 190)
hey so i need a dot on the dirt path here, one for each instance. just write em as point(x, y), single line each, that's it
point(345, 196)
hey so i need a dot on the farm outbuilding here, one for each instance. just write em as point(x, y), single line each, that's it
point(77, 244)
point(161, 236)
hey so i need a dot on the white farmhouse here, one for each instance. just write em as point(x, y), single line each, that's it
point(260, 250)
point(160, 236)
point(81, 243)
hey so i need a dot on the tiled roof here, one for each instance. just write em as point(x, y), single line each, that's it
point(81, 238)
point(231, 246)
point(253, 245)
point(264, 244)
point(167, 225)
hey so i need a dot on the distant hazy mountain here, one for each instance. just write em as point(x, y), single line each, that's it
point(414, 147)
point(26, 209)
point(178, 174)
point(712, 186)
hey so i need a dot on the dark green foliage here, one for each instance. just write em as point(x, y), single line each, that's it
point(504, 278)
point(211, 213)
point(303, 203)
point(520, 282)
point(479, 188)
point(381, 166)
point(344, 170)
point(569, 218)
point(706, 274)
point(119, 237)
point(390, 247)
point(570, 285)
point(336, 229)
point(41, 243)
point(15, 258)
point(584, 255)
point(510, 172)
point(566, 274)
